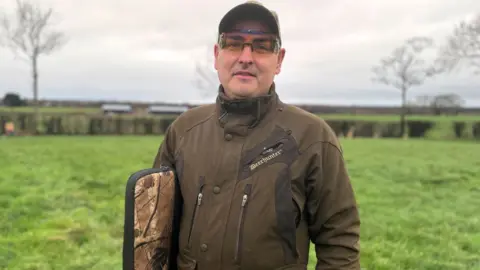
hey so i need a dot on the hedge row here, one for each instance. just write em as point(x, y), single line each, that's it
point(415, 129)
point(84, 124)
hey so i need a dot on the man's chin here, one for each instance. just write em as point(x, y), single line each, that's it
point(242, 93)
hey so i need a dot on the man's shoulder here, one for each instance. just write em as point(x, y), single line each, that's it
point(307, 127)
point(193, 117)
point(296, 115)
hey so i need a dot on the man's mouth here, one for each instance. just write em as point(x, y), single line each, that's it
point(244, 73)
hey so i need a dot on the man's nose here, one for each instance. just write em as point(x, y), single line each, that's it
point(246, 55)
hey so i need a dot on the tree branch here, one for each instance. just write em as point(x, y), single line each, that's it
point(462, 47)
point(27, 31)
point(404, 68)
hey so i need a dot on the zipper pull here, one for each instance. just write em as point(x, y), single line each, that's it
point(199, 199)
point(246, 192)
point(244, 201)
point(200, 194)
point(267, 150)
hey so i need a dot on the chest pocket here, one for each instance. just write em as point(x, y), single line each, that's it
point(266, 156)
point(276, 149)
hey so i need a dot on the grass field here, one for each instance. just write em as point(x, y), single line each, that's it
point(62, 201)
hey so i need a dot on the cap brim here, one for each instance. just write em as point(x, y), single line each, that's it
point(248, 11)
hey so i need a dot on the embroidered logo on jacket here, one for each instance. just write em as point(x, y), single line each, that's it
point(273, 155)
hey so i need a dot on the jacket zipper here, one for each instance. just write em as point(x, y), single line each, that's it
point(195, 211)
point(246, 193)
point(222, 116)
point(269, 150)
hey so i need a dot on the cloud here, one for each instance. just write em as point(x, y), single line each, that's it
point(118, 47)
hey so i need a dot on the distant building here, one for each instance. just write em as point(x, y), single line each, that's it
point(110, 109)
point(167, 109)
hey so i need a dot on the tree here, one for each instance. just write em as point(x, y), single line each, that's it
point(13, 100)
point(462, 46)
point(27, 34)
point(404, 69)
point(423, 101)
point(447, 104)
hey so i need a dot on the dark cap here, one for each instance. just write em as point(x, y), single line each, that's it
point(250, 10)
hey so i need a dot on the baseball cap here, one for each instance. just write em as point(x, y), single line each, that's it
point(250, 10)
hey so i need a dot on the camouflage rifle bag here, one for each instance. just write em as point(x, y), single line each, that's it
point(152, 214)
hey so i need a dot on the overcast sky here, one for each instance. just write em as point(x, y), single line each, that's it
point(146, 49)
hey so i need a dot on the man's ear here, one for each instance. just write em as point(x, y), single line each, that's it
point(216, 50)
point(281, 56)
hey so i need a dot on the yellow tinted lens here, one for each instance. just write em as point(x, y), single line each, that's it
point(260, 44)
point(263, 46)
point(233, 44)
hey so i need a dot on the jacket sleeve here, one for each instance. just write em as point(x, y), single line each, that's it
point(166, 152)
point(333, 217)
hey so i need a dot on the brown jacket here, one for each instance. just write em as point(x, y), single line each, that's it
point(259, 180)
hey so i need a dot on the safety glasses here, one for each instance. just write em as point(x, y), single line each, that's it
point(260, 43)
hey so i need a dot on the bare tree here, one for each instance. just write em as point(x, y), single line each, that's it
point(462, 46)
point(423, 101)
point(27, 34)
point(205, 78)
point(404, 69)
point(449, 103)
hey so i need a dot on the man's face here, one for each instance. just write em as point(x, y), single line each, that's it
point(245, 72)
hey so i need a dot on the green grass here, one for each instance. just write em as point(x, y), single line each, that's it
point(62, 201)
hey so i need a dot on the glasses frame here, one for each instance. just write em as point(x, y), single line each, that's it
point(276, 40)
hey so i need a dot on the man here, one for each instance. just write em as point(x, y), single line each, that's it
point(259, 179)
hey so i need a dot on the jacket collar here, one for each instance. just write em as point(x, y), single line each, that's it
point(239, 115)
